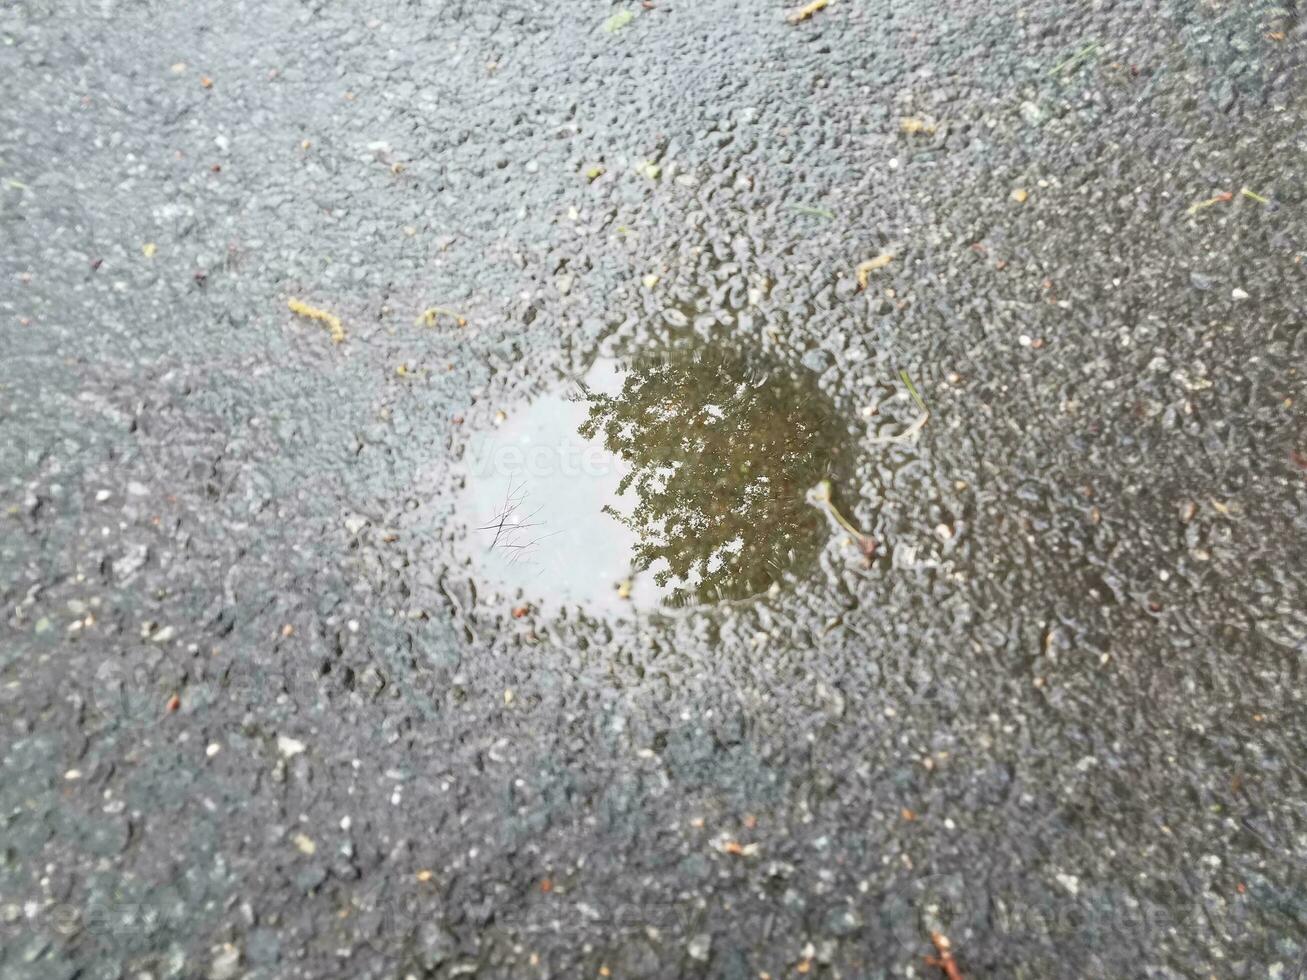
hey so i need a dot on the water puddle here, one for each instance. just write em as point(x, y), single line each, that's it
point(673, 478)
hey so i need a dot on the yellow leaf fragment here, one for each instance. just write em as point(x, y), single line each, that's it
point(1020, 195)
point(806, 11)
point(650, 281)
point(332, 322)
point(619, 20)
point(148, 249)
point(430, 316)
point(865, 269)
point(912, 126)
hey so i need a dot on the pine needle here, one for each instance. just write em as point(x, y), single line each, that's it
point(814, 212)
point(1076, 58)
point(912, 390)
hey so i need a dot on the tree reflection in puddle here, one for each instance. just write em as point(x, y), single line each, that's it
point(673, 478)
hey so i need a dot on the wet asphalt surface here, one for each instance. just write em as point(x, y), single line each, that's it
point(257, 722)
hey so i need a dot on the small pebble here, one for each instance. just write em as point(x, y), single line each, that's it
point(699, 947)
point(226, 963)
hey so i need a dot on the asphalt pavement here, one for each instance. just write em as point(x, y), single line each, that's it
point(267, 273)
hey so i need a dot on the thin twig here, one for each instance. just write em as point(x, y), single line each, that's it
point(907, 435)
point(820, 497)
point(1220, 198)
